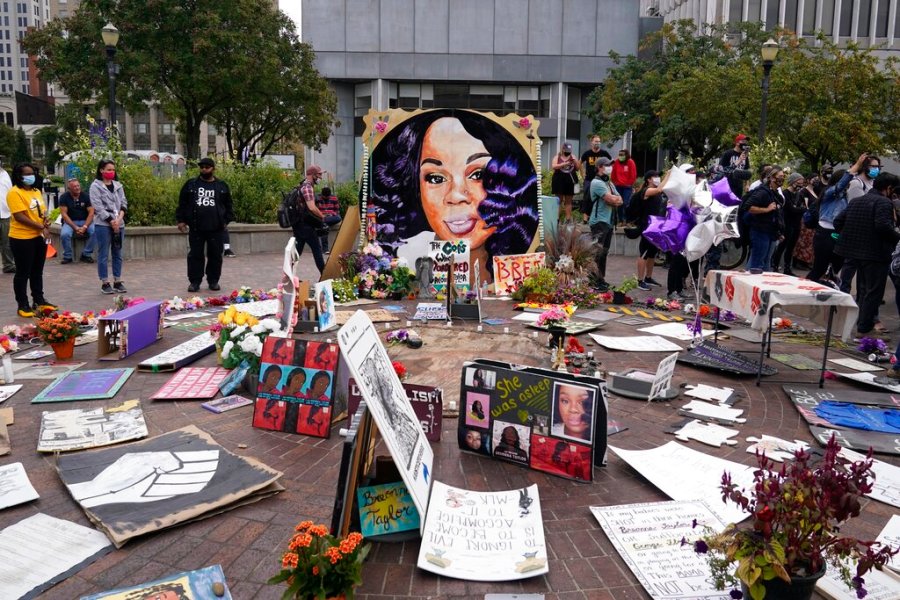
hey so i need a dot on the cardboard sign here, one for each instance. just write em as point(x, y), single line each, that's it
point(82, 428)
point(325, 305)
point(192, 383)
point(182, 354)
point(386, 509)
point(17, 489)
point(296, 386)
point(509, 271)
point(193, 585)
point(663, 379)
point(427, 403)
point(549, 421)
point(84, 385)
point(484, 536)
point(431, 311)
point(125, 332)
point(447, 256)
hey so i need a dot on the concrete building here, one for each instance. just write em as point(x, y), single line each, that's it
point(524, 56)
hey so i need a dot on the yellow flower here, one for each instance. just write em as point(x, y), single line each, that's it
point(241, 318)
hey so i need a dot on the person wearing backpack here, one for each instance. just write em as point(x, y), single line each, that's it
point(862, 183)
point(867, 239)
point(794, 207)
point(765, 220)
point(204, 208)
point(306, 227)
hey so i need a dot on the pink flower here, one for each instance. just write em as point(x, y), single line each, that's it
point(524, 122)
point(380, 127)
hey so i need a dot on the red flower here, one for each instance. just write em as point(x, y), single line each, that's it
point(399, 369)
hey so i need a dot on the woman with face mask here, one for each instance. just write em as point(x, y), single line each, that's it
point(863, 180)
point(29, 233)
point(565, 175)
point(765, 220)
point(809, 199)
point(794, 207)
point(624, 174)
point(649, 201)
point(110, 204)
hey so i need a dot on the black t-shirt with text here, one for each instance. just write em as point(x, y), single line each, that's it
point(589, 159)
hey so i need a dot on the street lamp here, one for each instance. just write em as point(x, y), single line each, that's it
point(769, 52)
point(110, 38)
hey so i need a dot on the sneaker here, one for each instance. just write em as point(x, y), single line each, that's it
point(677, 296)
point(25, 312)
point(652, 282)
point(45, 305)
point(642, 285)
point(86, 259)
point(229, 253)
point(215, 287)
point(65, 261)
point(119, 287)
point(106, 288)
point(602, 287)
point(9, 270)
point(194, 287)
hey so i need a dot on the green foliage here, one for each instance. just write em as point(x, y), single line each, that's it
point(540, 282)
point(546, 176)
point(20, 151)
point(773, 152)
point(151, 200)
point(347, 194)
point(7, 142)
point(255, 189)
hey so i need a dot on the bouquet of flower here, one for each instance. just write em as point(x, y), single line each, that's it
point(320, 565)
point(343, 290)
point(870, 345)
point(56, 328)
point(241, 337)
point(21, 334)
point(7, 344)
point(553, 317)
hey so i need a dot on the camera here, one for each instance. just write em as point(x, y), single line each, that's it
point(744, 146)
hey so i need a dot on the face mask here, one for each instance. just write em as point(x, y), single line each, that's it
point(622, 158)
point(874, 171)
point(28, 179)
point(595, 146)
point(567, 154)
point(109, 175)
point(654, 180)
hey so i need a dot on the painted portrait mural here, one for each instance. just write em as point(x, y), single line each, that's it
point(452, 175)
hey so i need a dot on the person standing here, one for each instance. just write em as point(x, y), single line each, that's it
point(204, 207)
point(765, 220)
point(78, 220)
point(565, 176)
point(109, 202)
point(589, 170)
point(862, 183)
point(331, 211)
point(867, 239)
point(304, 231)
point(605, 200)
point(651, 202)
point(623, 176)
point(735, 164)
point(794, 207)
point(9, 264)
point(29, 232)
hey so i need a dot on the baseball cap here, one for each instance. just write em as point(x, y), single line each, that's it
point(567, 147)
point(314, 170)
point(740, 138)
point(650, 173)
point(603, 161)
point(206, 162)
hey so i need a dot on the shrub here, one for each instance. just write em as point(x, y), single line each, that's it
point(347, 194)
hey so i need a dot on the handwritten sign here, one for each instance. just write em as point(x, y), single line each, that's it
point(431, 311)
point(509, 271)
point(445, 253)
point(648, 537)
point(385, 509)
point(427, 403)
point(483, 536)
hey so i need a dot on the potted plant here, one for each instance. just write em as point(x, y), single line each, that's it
point(797, 513)
point(59, 331)
point(554, 320)
point(401, 282)
point(619, 291)
point(538, 286)
point(318, 565)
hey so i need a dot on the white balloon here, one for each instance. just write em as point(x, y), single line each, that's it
point(679, 188)
point(699, 240)
point(702, 196)
point(717, 227)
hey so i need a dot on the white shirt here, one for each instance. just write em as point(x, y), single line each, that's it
point(5, 186)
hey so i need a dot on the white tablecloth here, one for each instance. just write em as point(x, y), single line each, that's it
point(752, 296)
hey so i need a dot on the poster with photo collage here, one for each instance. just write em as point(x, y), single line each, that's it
point(296, 386)
point(548, 421)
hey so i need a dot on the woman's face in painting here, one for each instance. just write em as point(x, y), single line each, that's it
point(320, 385)
point(473, 440)
point(450, 179)
point(295, 384)
point(574, 404)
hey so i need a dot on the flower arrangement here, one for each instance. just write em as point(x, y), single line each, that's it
point(56, 328)
point(572, 255)
point(709, 312)
point(320, 565)
point(241, 337)
point(782, 323)
point(541, 282)
point(397, 337)
point(22, 334)
point(7, 344)
point(578, 294)
point(663, 304)
point(869, 345)
point(797, 513)
point(372, 272)
point(554, 317)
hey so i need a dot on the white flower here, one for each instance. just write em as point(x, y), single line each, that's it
point(565, 264)
point(258, 328)
point(402, 262)
point(251, 345)
point(271, 324)
point(226, 349)
point(237, 331)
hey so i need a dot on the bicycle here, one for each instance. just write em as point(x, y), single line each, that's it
point(734, 253)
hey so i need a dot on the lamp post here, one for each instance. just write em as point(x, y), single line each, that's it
point(769, 52)
point(110, 38)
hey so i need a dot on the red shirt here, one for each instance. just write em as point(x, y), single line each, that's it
point(624, 174)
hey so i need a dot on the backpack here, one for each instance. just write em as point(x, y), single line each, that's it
point(291, 211)
point(895, 261)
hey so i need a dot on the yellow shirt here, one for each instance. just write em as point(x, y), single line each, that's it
point(31, 202)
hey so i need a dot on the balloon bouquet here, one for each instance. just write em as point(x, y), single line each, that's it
point(698, 216)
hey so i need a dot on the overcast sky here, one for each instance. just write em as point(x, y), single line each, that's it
point(292, 8)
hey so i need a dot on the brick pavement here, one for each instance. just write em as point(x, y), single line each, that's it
point(248, 541)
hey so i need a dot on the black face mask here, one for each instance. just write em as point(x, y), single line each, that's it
point(604, 177)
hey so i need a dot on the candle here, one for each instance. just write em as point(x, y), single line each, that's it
point(534, 334)
point(409, 323)
point(506, 330)
point(480, 329)
point(315, 330)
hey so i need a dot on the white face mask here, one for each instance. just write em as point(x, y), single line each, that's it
point(654, 180)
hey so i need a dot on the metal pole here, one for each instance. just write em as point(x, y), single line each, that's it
point(767, 68)
point(111, 72)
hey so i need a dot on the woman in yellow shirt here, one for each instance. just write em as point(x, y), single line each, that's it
point(29, 231)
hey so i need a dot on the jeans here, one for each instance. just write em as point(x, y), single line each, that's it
point(210, 243)
point(65, 236)
point(306, 234)
point(602, 234)
point(329, 221)
point(30, 256)
point(624, 191)
point(823, 255)
point(761, 247)
point(871, 279)
point(103, 240)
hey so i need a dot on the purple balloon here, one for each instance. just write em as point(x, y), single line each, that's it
point(670, 232)
point(721, 191)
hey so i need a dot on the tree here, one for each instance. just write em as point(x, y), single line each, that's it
point(21, 152)
point(191, 57)
point(7, 142)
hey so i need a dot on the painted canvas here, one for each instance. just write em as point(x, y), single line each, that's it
point(182, 354)
point(325, 305)
point(192, 383)
point(44, 369)
point(147, 486)
point(84, 385)
point(83, 428)
point(296, 386)
point(189, 585)
point(386, 509)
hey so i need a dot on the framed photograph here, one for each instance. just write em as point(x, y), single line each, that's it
point(572, 412)
point(511, 441)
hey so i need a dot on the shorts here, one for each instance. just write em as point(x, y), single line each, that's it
point(563, 184)
point(646, 249)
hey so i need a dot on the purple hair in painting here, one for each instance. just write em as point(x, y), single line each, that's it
point(509, 181)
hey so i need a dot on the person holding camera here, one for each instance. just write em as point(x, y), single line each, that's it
point(306, 230)
point(736, 164)
point(78, 221)
point(205, 207)
point(606, 200)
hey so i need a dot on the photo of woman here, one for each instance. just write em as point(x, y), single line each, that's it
point(454, 175)
point(573, 412)
point(279, 351)
point(511, 442)
point(476, 407)
point(268, 383)
point(474, 441)
point(314, 420)
point(557, 457)
point(321, 356)
point(319, 387)
point(484, 379)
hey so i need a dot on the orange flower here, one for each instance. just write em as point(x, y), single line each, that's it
point(355, 537)
point(333, 554)
point(318, 530)
point(289, 560)
point(301, 540)
point(303, 526)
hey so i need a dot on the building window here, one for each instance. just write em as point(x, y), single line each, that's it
point(451, 95)
point(845, 25)
point(881, 19)
point(790, 14)
point(827, 16)
point(142, 128)
point(167, 129)
point(809, 17)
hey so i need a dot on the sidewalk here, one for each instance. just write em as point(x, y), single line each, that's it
point(248, 541)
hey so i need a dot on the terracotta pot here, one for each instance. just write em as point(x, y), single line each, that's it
point(800, 588)
point(64, 350)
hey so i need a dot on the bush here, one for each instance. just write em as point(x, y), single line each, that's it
point(151, 200)
point(347, 194)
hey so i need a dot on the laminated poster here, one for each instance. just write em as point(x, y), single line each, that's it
point(189, 585)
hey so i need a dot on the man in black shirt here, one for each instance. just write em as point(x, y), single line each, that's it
point(589, 171)
point(736, 165)
point(78, 220)
point(205, 207)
